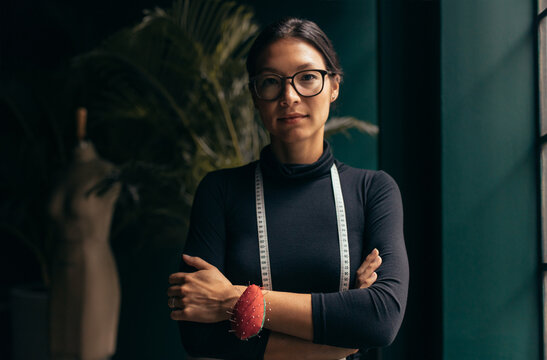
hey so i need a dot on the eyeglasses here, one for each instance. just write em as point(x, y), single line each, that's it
point(306, 83)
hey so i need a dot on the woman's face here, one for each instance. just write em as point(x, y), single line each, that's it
point(291, 117)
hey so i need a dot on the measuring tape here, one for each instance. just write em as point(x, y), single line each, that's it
point(263, 231)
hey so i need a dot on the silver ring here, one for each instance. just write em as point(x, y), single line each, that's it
point(172, 302)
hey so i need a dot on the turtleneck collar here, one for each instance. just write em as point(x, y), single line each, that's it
point(271, 167)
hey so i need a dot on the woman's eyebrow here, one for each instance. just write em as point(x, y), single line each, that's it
point(307, 65)
point(268, 69)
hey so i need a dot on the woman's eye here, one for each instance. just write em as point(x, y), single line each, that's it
point(269, 81)
point(308, 77)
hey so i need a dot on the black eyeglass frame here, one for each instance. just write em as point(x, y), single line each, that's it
point(252, 82)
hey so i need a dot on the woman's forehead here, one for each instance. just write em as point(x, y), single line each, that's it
point(286, 56)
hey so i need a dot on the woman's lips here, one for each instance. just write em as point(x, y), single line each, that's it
point(292, 118)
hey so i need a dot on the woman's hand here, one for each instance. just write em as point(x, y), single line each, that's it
point(366, 274)
point(203, 296)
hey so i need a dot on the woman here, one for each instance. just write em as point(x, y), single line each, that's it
point(318, 220)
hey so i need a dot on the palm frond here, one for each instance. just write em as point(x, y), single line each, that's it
point(344, 123)
point(179, 79)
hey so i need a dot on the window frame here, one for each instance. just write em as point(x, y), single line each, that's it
point(541, 121)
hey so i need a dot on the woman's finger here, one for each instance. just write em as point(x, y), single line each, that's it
point(366, 274)
point(175, 290)
point(369, 281)
point(372, 267)
point(177, 278)
point(171, 302)
point(175, 302)
point(197, 262)
point(368, 260)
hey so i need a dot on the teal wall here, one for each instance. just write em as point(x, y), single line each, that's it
point(352, 27)
point(489, 196)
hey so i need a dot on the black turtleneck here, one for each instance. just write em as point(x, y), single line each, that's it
point(304, 249)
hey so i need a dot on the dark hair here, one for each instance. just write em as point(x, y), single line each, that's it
point(302, 29)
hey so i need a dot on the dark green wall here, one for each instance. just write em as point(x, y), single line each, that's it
point(457, 132)
point(489, 213)
point(352, 27)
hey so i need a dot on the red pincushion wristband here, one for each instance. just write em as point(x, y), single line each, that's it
point(249, 313)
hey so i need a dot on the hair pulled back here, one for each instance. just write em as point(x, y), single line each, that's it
point(302, 29)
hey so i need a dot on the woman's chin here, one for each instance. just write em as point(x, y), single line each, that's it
point(296, 135)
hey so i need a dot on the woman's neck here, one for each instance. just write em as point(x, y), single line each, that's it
point(303, 152)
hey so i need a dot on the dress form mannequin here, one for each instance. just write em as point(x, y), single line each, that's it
point(85, 289)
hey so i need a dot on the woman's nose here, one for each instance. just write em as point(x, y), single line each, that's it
point(289, 94)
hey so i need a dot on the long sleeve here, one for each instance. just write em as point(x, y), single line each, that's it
point(207, 239)
point(370, 317)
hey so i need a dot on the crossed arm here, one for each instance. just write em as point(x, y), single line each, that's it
point(206, 296)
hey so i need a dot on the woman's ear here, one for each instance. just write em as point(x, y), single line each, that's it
point(335, 87)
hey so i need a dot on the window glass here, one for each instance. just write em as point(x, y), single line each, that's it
point(543, 74)
point(544, 201)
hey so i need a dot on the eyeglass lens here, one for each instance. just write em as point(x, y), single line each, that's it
point(306, 83)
